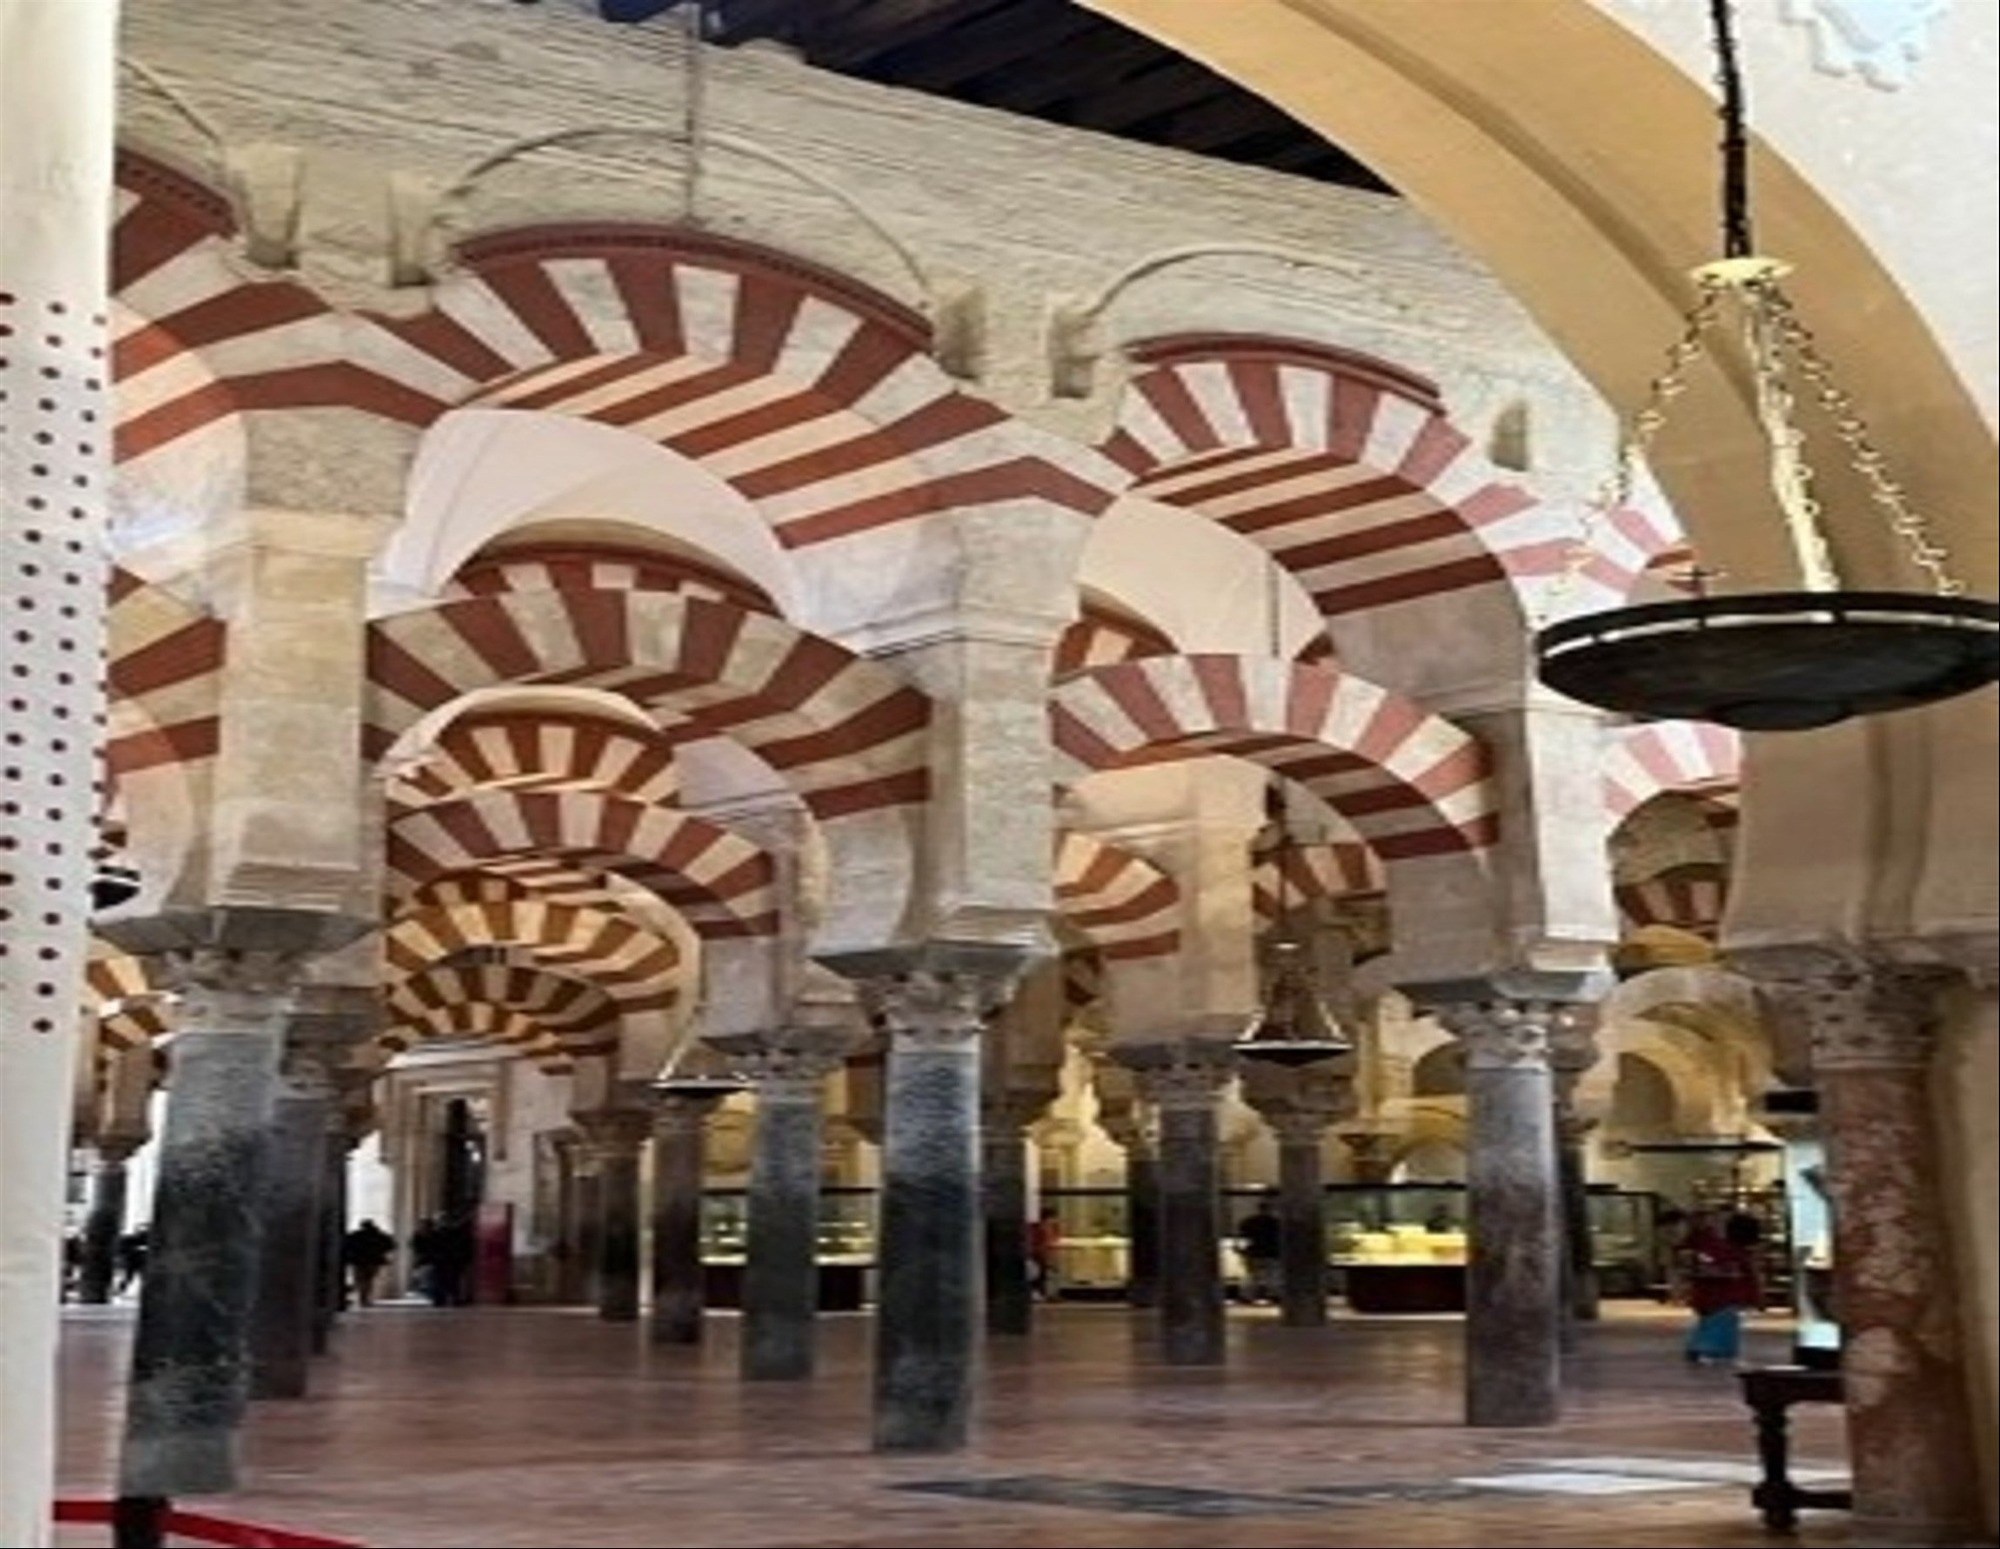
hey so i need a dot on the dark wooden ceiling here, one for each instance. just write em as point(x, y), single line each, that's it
point(1046, 59)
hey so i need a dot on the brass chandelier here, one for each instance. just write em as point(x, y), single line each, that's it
point(1771, 661)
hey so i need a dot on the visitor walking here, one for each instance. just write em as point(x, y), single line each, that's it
point(1719, 1267)
point(1044, 1243)
point(364, 1251)
point(1263, 1236)
point(131, 1260)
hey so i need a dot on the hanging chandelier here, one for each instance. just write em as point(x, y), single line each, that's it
point(1770, 661)
point(1294, 1025)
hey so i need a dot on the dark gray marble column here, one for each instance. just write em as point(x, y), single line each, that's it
point(1910, 1437)
point(1142, 1222)
point(615, 1138)
point(927, 1318)
point(1003, 1187)
point(587, 1227)
point(1514, 1271)
point(190, 1367)
point(106, 1222)
point(288, 1206)
point(1572, 1052)
point(332, 1289)
point(1302, 1212)
point(680, 1135)
point(781, 1268)
point(1186, 1091)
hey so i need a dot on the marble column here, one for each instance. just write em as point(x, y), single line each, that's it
point(586, 1226)
point(190, 1368)
point(615, 1139)
point(680, 1133)
point(1003, 1188)
point(1186, 1087)
point(332, 1289)
point(781, 1253)
point(1909, 1433)
point(1142, 1212)
point(288, 1205)
point(1302, 1210)
point(1513, 1365)
point(106, 1222)
point(1572, 1052)
point(927, 1317)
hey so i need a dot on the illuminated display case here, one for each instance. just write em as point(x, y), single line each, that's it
point(846, 1244)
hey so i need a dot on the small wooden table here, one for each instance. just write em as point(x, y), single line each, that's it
point(1770, 1391)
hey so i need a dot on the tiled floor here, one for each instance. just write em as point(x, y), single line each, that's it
point(524, 1427)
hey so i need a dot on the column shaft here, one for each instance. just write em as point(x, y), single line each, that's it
point(1004, 1200)
point(1579, 1267)
point(679, 1134)
point(1514, 1274)
point(781, 1271)
point(618, 1231)
point(332, 1292)
point(928, 1317)
point(189, 1357)
point(1909, 1435)
point(1142, 1226)
point(281, 1318)
point(1303, 1243)
point(102, 1228)
point(1192, 1329)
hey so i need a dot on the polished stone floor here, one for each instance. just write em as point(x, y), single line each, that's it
point(531, 1427)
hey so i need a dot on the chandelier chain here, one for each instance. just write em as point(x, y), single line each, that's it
point(1909, 524)
point(1791, 474)
point(1636, 437)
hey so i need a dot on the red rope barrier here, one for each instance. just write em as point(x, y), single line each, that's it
point(205, 1529)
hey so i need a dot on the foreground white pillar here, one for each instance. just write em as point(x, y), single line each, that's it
point(57, 91)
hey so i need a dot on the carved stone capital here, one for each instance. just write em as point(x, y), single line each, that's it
point(1182, 1075)
point(614, 1132)
point(679, 1115)
point(1502, 1034)
point(225, 989)
point(1300, 1127)
point(1862, 1017)
point(931, 1008)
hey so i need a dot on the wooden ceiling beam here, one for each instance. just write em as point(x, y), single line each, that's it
point(1173, 87)
point(1102, 67)
point(993, 43)
point(851, 38)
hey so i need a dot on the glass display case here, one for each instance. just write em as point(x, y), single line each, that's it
point(1625, 1241)
point(1093, 1259)
point(846, 1246)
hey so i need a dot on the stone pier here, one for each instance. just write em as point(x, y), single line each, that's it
point(1185, 1082)
point(781, 1268)
point(680, 1135)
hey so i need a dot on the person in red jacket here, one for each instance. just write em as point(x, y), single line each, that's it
point(1719, 1269)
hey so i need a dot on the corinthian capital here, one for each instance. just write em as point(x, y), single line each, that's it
point(938, 1008)
point(224, 987)
point(1181, 1074)
point(1502, 1034)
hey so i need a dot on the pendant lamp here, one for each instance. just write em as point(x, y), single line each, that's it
point(1294, 1025)
point(1787, 660)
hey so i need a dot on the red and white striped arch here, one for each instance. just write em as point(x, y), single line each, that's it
point(815, 397)
point(1103, 636)
point(544, 751)
point(130, 1011)
point(602, 567)
point(494, 1025)
point(1347, 472)
point(573, 1010)
point(638, 968)
point(197, 343)
point(721, 883)
point(1410, 782)
point(164, 664)
point(847, 734)
point(1300, 873)
point(1690, 898)
point(1643, 761)
point(1118, 901)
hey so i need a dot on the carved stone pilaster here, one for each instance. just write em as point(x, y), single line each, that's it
point(1862, 1018)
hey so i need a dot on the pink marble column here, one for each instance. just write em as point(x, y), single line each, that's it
point(1909, 1433)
